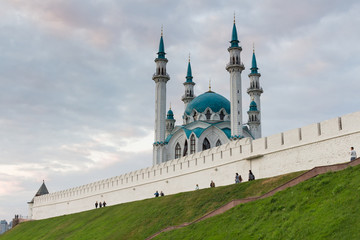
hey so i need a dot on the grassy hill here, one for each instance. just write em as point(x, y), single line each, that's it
point(324, 207)
point(141, 219)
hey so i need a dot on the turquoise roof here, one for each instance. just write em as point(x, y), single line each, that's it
point(234, 38)
point(208, 99)
point(253, 106)
point(189, 76)
point(170, 114)
point(161, 53)
point(254, 67)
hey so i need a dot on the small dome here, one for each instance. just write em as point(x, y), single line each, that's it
point(209, 99)
point(253, 106)
point(170, 114)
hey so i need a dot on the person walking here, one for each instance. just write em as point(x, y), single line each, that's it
point(96, 204)
point(197, 187)
point(156, 194)
point(251, 176)
point(212, 184)
point(104, 204)
point(162, 194)
point(352, 154)
point(237, 178)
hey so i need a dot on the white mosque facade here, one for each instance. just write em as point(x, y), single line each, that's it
point(213, 143)
point(209, 120)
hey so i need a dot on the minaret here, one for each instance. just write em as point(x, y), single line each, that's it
point(235, 67)
point(254, 120)
point(255, 92)
point(170, 122)
point(189, 86)
point(160, 78)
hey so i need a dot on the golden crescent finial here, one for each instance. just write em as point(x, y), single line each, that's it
point(209, 84)
point(161, 30)
point(253, 47)
point(189, 57)
point(234, 17)
point(170, 105)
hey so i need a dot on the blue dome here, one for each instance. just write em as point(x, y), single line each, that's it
point(209, 99)
point(170, 114)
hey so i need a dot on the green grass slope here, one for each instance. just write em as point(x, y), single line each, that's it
point(141, 219)
point(324, 207)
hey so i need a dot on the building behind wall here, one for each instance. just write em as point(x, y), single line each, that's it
point(3, 226)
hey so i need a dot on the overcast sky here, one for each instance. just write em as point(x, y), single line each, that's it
point(77, 98)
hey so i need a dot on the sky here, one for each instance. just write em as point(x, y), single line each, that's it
point(77, 95)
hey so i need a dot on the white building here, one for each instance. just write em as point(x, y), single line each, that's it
point(209, 120)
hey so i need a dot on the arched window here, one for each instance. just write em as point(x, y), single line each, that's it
point(233, 60)
point(192, 144)
point(185, 148)
point(237, 60)
point(208, 115)
point(206, 144)
point(162, 71)
point(177, 151)
point(222, 115)
point(218, 143)
point(158, 71)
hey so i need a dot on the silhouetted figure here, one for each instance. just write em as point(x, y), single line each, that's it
point(104, 204)
point(96, 204)
point(156, 194)
point(162, 194)
point(100, 205)
point(212, 184)
point(251, 176)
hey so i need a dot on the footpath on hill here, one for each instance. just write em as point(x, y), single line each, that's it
point(324, 207)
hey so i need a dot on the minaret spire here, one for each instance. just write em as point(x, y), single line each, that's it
point(160, 78)
point(189, 86)
point(255, 91)
point(235, 67)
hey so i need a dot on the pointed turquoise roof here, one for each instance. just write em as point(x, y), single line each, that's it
point(253, 106)
point(161, 53)
point(189, 76)
point(254, 67)
point(170, 114)
point(234, 38)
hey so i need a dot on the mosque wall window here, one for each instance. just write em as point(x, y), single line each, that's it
point(177, 151)
point(222, 115)
point(206, 144)
point(218, 143)
point(185, 148)
point(208, 114)
point(192, 144)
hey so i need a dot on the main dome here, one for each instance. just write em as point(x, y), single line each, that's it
point(208, 99)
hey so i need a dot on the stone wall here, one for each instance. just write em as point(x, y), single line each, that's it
point(318, 144)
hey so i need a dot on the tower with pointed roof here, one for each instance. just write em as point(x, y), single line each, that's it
point(235, 67)
point(170, 122)
point(255, 91)
point(189, 86)
point(160, 78)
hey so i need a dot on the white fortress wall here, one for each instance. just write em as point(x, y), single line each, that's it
point(323, 143)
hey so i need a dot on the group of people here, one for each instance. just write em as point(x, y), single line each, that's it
point(100, 204)
point(157, 194)
point(238, 178)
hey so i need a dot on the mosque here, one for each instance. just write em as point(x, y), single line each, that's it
point(209, 120)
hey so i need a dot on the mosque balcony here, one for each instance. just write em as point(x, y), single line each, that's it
point(159, 76)
point(235, 65)
point(259, 90)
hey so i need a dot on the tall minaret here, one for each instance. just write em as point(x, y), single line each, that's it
point(255, 92)
point(189, 86)
point(160, 78)
point(235, 67)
